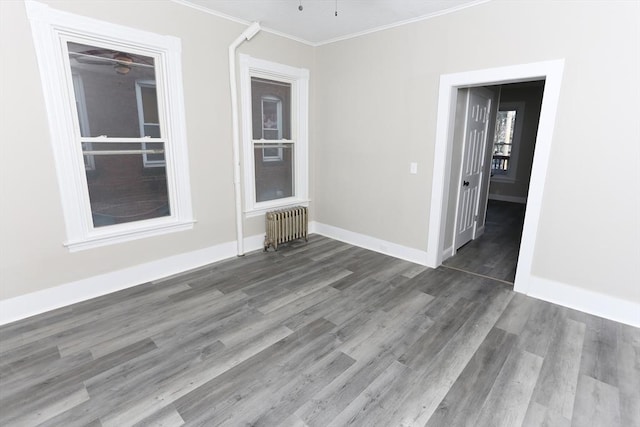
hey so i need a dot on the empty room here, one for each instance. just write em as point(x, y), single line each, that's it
point(320, 213)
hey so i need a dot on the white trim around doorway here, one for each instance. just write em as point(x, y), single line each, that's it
point(551, 72)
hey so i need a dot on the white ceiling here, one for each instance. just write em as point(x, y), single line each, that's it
point(317, 24)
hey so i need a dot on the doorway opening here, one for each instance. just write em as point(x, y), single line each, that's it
point(551, 72)
point(492, 250)
point(494, 254)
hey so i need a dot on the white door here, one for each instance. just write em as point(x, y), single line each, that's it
point(471, 171)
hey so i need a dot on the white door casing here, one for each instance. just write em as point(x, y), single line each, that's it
point(551, 72)
point(479, 104)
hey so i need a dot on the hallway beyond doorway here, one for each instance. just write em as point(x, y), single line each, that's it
point(495, 253)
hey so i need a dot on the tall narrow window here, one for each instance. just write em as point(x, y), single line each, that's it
point(273, 146)
point(506, 140)
point(274, 105)
point(114, 99)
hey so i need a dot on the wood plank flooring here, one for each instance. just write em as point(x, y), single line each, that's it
point(319, 334)
point(495, 253)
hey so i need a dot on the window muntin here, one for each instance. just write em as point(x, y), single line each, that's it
point(56, 34)
point(83, 120)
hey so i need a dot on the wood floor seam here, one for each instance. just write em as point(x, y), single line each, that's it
point(477, 274)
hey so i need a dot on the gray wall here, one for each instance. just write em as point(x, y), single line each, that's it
point(589, 214)
point(31, 223)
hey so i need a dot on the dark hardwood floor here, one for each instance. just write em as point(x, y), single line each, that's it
point(495, 253)
point(319, 334)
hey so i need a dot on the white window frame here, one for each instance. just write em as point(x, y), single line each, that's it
point(299, 80)
point(510, 176)
point(51, 30)
point(145, 157)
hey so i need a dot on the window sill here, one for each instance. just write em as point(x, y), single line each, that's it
point(263, 209)
point(127, 235)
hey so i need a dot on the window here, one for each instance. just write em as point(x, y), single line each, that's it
point(503, 142)
point(271, 120)
point(274, 112)
point(506, 141)
point(114, 100)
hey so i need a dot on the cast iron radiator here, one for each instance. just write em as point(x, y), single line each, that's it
point(285, 225)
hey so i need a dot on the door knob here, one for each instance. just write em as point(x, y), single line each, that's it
point(465, 183)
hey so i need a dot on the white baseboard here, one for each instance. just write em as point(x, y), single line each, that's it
point(251, 243)
point(585, 300)
point(23, 306)
point(27, 305)
point(447, 253)
point(371, 243)
point(512, 199)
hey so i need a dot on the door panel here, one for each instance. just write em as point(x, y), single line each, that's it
point(479, 104)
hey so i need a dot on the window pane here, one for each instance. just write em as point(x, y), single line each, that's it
point(109, 90)
point(122, 190)
point(505, 125)
point(274, 171)
point(503, 141)
point(270, 109)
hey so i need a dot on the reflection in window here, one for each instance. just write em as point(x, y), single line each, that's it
point(120, 133)
point(271, 119)
point(149, 122)
point(274, 180)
